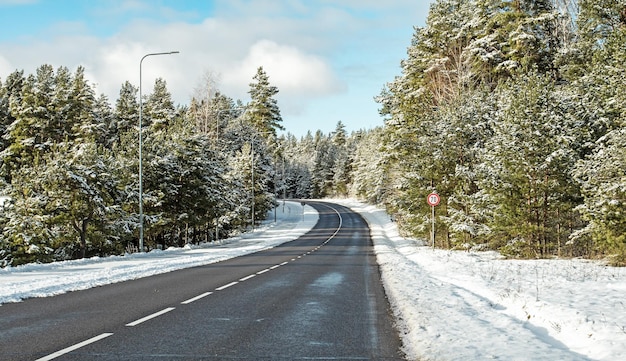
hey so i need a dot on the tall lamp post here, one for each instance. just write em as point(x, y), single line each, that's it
point(141, 146)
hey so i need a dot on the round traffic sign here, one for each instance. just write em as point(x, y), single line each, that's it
point(433, 199)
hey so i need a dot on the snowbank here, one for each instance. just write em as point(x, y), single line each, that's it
point(453, 305)
point(41, 280)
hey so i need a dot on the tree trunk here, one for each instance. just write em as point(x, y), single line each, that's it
point(81, 228)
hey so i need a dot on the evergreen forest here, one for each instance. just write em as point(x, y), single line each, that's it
point(513, 111)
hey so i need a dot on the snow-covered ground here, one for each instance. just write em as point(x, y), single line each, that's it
point(449, 305)
point(454, 305)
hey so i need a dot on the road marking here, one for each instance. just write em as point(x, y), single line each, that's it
point(247, 278)
point(75, 347)
point(275, 266)
point(261, 272)
point(195, 298)
point(284, 263)
point(226, 286)
point(149, 317)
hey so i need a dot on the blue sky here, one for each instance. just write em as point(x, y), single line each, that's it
point(328, 58)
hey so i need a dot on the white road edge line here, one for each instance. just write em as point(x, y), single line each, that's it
point(149, 317)
point(284, 263)
point(261, 272)
point(275, 266)
point(75, 347)
point(195, 298)
point(247, 278)
point(226, 286)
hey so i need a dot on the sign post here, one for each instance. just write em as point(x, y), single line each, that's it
point(433, 200)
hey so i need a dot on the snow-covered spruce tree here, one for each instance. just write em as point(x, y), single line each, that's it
point(253, 166)
point(126, 114)
point(263, 111)
point(159, 108)
point(64, 207)
point(513, 35)
point(526, 168)
point(369, 175)
point(596, 22)
point(12, 88)
point(26, 234)
point(104, 128)
point(601, 173)
point(299, 165)
point(183, 184)
point(435, 72)
point(603, 181)
point(344, 148)
point(263, 116)
point(322, 172)
point(83, 201)
point(6, 257)
point(30, 136)
point(463, 128)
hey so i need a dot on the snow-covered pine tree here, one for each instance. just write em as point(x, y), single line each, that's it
point(602, 93)
point(103, 122)
point(369, 175)
point(526, 168)
point(28, 136)
point(343, 161)
point(26, 234)
point(126, 113)
point(263, 111)
point(11, 89)
point(83, 201)
point(159, 108)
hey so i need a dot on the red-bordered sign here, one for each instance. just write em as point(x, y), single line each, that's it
point(433, 199)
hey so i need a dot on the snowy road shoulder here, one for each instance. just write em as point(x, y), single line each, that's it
point(453, 305)
point(42, 280)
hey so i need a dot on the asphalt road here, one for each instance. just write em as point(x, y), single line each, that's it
point(316, 298)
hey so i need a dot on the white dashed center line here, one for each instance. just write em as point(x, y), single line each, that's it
point(149, 317)
point(75, 347)
point(195, 298)
point(226, 286)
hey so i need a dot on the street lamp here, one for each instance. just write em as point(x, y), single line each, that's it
point(140, 148)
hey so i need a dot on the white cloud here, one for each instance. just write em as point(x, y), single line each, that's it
point(289, 68)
